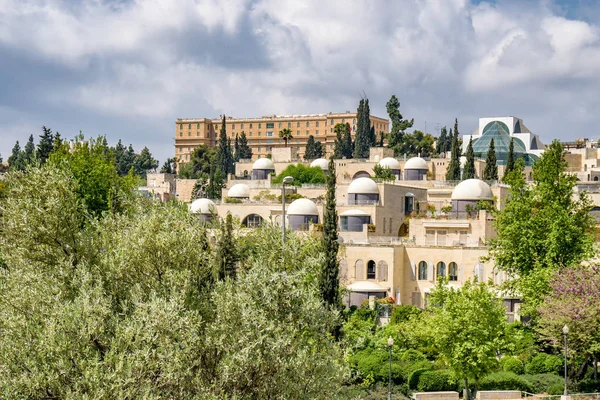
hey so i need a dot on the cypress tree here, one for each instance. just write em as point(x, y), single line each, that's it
point(381, 138)
point(362, 141)
point(510, 161)
point(58, 142)
point(236, 148)
point(348, 147)
point(226, 257)
point(329, 282)
point(469, 169)
point(224, 159)
point(453, 171)
point(29, 150)
point(441, 142)
point(338, 145)
point(310, 151)
point(16, 161)
point(491, 169)
point(45, 145)
point(245, 150)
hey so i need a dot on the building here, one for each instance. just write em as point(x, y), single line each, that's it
point(263, 132)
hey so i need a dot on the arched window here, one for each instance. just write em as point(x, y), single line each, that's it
point(453, 272)
point(595, 179)
point(343, 270)
point(403, 231)
point(422, 271)
point(359, 270)
point(371, 269)
point(252, 221)
point(382, 270)
point(441, 269)
point(479, 272)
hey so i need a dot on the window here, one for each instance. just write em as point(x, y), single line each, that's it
point(453, 272)
point(217, 127)
point(382, 271)
point(181, 126)
point(317, 123)
point(270, 125)
point(198, 133)
point(242, 126)
point(371, 269)
point(317, 132)
point(198, 127)
point(307, 124)
point(343, 121)
point(298, 148)
point(307, 132)
point(189, 126)
point(269, 134)
point(258, 149)
point(189, 133)
point(250, 126)
point(354, 121)
point(353, 127)
point(441, 238)
point(289, 124)
point(331, 130)
point(298, 133)
point(298, 124)
point(250, 133)
point(441, 269)
point(180, 134)
point(232, 126)
point(259, 125)
point(422, 271)
point(253, 221)
point(280, 125)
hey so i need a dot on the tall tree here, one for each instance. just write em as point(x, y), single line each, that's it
point(144, 162)
point(319, 149)
point(542, 227)
point(226, 257)
point(16, 161)
point(399, 125)
point(362, 138)
point(491, 169)
point(469, 168)
point(216, 184)
point(57, 142)
point(45, 145)
point(453, 171)
point(310, 152)
point(121, 159)
point(372, 137)
point(416, 143)
point(244, 149)
point(510, 161)
point(286, 135)
point(441, 142)
point(236, 149)
point(381, 139)
point(348, 148)
point(338, 146)
point(167, 167)
point(329, 281)
point(29, 150)
point(224, 156)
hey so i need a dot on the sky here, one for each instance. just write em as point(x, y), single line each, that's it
point(128, 68)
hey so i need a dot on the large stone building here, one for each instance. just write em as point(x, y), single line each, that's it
point(263, 132)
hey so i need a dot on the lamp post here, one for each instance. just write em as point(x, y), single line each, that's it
point(286, 181)
point(565, 330)
point(390, 343)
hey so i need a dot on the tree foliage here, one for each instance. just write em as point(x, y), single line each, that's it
point(286, 135)
point(444, 142)
point(244, 150)
point(491, 168)
point(144, 162)
point(399, 125)
point(329, 281)
point(510, 161)
point(314, 149)
point(414, 144)
point(453, 171)
point(224, 158)
point(542, 227)
point(45, 145)
point(343, 141)
point(469, 168)
point(383, 173)
point(362, 141)
point(301, 174)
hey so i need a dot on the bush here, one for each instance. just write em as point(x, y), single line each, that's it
point(588, 386)
point(301, 174)
point(544, 363)
point(375, 363)
point(513, 364)
point(411, 356)
point(402, 313)
point(505, 381)
point(289, 197)
point(542, 382)
point(436, 381)
point(556, 389)
point(409, 368)
point(232, 200)
point(554, 364)
point(415, 376)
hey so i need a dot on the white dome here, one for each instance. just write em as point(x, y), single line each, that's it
point(363, 186)
point(239, 190)
point(302, 207)
point(202, 206)
point(472, 189)
point(416, 163)
point(263, 163)
point(354, 213)
point(390, 162)
point(365, 286)
point(321, 163)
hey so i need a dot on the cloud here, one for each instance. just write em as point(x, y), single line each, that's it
point(128, 68)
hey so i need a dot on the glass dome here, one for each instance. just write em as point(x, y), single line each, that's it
point(498, 131)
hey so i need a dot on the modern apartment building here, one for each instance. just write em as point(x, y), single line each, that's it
point(263, 132)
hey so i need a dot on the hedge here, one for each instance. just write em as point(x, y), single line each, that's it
point(513, 364)
point(544, 363)
point(589, 386)
point(415, 376)
point(505, 381)
point(541, 382)
point(436, 381)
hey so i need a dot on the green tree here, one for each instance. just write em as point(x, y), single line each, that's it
point(314, 149)
point(202, 160)
point(348, 149)
point(329, 281)
point(244, 150)
point(226, 255)
point(469, 168)
point(286, 135)
point(510, 161)
point(58, 142)
point(381, 139)
point(144, 162)
point(363, 126)
point(338, 146)
point(122, 163)
point(491, 169)
point(542, 227)
point(215, 185)
point(236, 149)
point(440, 146)
point(383, 173)
point(453, 171)
point(45, 145)
point(29, 151)
point(467, 326)
point(417, 143)
point(399, 125)
point(301, 174)
point(167, 167)
point(224, 156)
point(16, 161)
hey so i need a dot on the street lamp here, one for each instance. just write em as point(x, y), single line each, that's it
point(565, 330)
point(390, 343)
point(286, 181)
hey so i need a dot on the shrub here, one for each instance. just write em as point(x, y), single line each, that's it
point(409, 368)
point(544, 363)
point(542, 382)
point(556, 389)
point(374, 363)
point(588, 386)
point(505, 381)
point(402, 313)
point(289, 197)
point(415, 376)
point(232, 200)
point(411, 355)
point(513, 364)
point(554, 364)
point(301, 174)
point(436, 381)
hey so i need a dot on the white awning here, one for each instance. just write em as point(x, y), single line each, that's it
point(365, 286)
point(446, 224)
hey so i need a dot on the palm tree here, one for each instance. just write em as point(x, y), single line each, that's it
point(286, 134)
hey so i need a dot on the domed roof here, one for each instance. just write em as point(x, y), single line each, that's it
point(365, 286)
point(390, 162)
point(416, 163)
point(202, 206)
point(302, 207)
point(239, 190)
point(363, 186)
point(472, 189)
point(354, 213)
point(263, 163)
point(321, 163)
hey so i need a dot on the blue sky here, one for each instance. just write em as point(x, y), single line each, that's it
point(128, 68)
